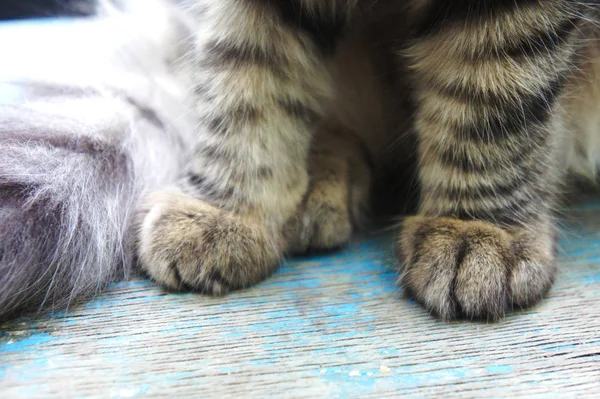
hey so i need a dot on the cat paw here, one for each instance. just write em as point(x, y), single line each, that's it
point(322, 222)
point(185, 243)
point(337, 197)
point(474, 269)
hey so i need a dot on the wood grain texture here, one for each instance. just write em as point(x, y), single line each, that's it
point(331, 326)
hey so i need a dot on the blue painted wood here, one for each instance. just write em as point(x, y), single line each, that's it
point(329, 326)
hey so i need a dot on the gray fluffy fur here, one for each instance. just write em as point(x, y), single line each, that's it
point(91, 117)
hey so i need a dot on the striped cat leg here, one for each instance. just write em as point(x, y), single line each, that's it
point(488, 75)
point(261, 81)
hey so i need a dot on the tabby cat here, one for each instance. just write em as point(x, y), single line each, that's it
point(300, 107)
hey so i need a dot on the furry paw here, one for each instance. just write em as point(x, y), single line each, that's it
point(337, 197)
point(475, 269)
point(185, 243)
point(323, 221)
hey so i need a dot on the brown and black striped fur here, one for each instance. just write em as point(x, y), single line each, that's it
point(305, 103)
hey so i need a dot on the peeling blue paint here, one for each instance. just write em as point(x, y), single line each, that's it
point(503, 368)
point(16, 344)
point(333, 332)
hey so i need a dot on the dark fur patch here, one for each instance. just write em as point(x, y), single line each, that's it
point(264, 172)
point(544, 42)
point(147, 113)
point(208, 189)
point(323, 26)
point(457, 156)
point(204, 91)
point(299, 111)
point(502, 190)
point(232, 120)
point(525, 115)
point(216, 152)
point(221, 55)
point(502, 106)
point(216, 123)
point(442, 13)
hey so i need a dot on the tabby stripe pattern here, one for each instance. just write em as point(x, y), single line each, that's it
point(260, 86)
point(487, 91)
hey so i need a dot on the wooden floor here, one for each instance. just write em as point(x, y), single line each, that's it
point(333, 326)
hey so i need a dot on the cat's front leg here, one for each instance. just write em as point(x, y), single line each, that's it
point(488, 87)
point(260, 82)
